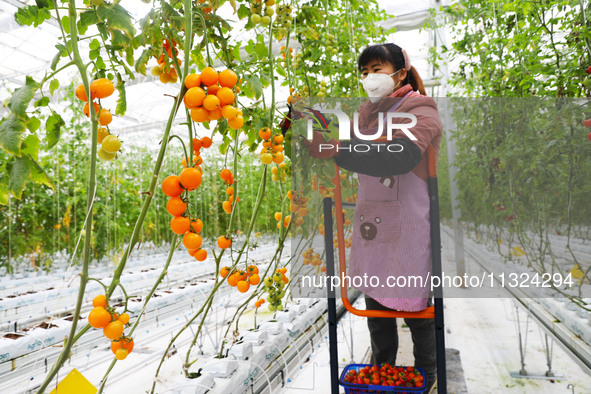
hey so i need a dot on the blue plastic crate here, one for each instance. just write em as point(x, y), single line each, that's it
point(354, 388)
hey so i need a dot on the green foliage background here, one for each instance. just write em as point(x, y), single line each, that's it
point(523, 162)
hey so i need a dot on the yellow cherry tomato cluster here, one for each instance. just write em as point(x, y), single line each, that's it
point(113, 324)
point(279, 172)
point(322, 91)
point(283, 21)
point(261, 15)
point(99, 89)
point(210, 96)
point(272, 150)
point(110, 144)
point(275, 288)
point(311, 258)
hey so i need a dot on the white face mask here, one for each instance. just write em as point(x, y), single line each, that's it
point(378, 85)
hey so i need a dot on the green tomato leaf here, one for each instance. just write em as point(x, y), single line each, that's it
point(261, 50)
point(37, 173)
point(33, 124)
point(119, 41)
point(66, 24)
point(30, 146)
point(11, 129)
point(53, 128)
point(247, 91)
point(102, 28)
point(18, 174)
point(265, 80)
point(236, 52)
point(53, 85)
point(88, 18)
point(140, 63)
point(93, 54)
point(45, 4)
point(128, 71)
point(249, 48)
point(129, 57)
point(138, 41)
point(256, 85)
point(42, 102)
point(4, 195)
point(94, 44)
point(31, 15)
point(117, 18)
point(243, 11)
point(100, 63)
point(22, 96)
point(61, 52)
point(122, 99)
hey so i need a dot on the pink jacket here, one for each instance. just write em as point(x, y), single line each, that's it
point(391, 235)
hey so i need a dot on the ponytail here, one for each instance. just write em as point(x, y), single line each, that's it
point(415, 81)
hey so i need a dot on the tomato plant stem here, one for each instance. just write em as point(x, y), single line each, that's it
point(173, 246)
point(149, 195)
point(65, 354)
point(255, 211)
point(182, 146)
point(174, 338)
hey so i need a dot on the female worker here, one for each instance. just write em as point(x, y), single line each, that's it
point(391, 234)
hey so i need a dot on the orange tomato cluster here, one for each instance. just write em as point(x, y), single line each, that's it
point(298, 206)
point(326, 192)
point(173, 186)
point(167, 72)
point(272, 150)
point(242, 279)
point(285, 220)
point(258, 303)
point(348, 242)
point(228, 178)
point(205, 6)
point(99, 88)
point(293, 98)
point(284, 52)
point(105, 317)
point(210, 96)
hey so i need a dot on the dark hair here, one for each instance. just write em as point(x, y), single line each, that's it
point(391, 53)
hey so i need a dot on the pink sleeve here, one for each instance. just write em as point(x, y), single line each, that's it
point(428, 125)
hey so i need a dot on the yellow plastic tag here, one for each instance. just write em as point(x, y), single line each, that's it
point(74, 383)
point(576, 272)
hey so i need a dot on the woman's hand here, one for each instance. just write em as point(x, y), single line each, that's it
point(320, 148)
